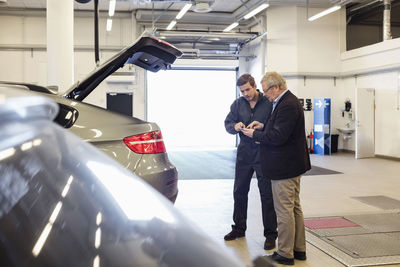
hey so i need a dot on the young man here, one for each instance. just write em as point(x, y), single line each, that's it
point(284, 158)
point(251, 106)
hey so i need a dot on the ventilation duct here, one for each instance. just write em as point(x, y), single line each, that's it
point(202, 7)
point(387, 35)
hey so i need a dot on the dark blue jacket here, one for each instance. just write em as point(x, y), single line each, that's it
point(283, 151)
point(241, 112)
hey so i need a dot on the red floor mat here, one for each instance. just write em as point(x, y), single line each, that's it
point(324, 223)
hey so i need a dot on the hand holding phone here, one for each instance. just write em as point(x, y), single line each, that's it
point(239, 126)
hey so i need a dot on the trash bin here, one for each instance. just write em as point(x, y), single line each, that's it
point(334, 143)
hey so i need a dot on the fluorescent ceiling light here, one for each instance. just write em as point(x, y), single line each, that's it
point(256, 11)
point(3, 3)
point(46, 231)
point(109, 24)
point(66, 187)
point(171, 25)
point(230, 27)
point(26, 146)
point(183, 11)
point(323, 13)
point(96, 261)
point(99, 218)
point(7, 153)
point(111, 8)
point(97, 238)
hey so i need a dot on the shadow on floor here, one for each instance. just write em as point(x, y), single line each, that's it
point(198, 165)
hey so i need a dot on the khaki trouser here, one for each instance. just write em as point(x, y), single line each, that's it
point(291, 232)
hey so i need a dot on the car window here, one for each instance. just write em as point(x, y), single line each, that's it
point(66, 116)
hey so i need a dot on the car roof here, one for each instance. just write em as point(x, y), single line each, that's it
point(61, 194)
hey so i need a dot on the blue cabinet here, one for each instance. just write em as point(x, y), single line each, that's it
point(322, 126)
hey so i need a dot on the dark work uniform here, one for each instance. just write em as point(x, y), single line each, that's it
point(248, 161)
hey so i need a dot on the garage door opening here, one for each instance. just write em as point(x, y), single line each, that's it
point(190, 106)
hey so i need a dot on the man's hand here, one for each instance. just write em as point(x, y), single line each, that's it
point(239, 126)
point(255, 125)
point(248, 132)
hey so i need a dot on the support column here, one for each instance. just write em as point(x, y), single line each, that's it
point(60, 43)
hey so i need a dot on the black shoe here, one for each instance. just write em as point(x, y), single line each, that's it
point(300, 255)
point(269, 244)
point(233, 235)
point(280, 259)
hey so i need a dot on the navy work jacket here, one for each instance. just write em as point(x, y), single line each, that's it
point(241, 112)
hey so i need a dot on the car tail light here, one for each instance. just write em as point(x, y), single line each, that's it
point(147, 143)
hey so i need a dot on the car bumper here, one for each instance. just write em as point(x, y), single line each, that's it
point(158, 171)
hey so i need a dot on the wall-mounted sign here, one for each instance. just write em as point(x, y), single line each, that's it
point(322, 126)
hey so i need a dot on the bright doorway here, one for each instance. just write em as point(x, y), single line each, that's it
point(190, 107)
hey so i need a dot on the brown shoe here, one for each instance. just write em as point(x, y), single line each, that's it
point(300, 255)
point(269, 244)
point(280, 259)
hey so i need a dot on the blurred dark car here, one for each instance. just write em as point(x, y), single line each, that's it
point(64, 203)
point(136, 144)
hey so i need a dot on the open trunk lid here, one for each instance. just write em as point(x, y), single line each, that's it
point(147, 52)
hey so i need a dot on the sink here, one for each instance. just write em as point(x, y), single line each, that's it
point(346, 131)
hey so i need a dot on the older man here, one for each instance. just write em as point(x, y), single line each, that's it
point(284, 158)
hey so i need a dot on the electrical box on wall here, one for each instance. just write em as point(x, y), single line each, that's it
point(347, 105)
point(302, 102)
point(347, 109)
point(120, 103)
point(308, 105)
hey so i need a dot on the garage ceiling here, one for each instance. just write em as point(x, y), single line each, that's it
point(201, 32)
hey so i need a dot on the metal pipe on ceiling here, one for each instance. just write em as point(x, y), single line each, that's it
point(42, 47)
point(145, 15)
point(21, 12)
point(96, 32)
point(206, 27)
point(205, 34)
point(357, 7)
point(387, 35)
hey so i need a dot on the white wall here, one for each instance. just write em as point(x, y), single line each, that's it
point(387, 114)
point(298, 48)
point(317, 51)
point(377, 66)
point(253, 65)
point(30, 32)
point(295, 47)
point(374, 57)
point(282, 53)
point(21, 63)
point(320, 42)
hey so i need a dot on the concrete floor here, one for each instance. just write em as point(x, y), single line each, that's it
point(209, 203)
